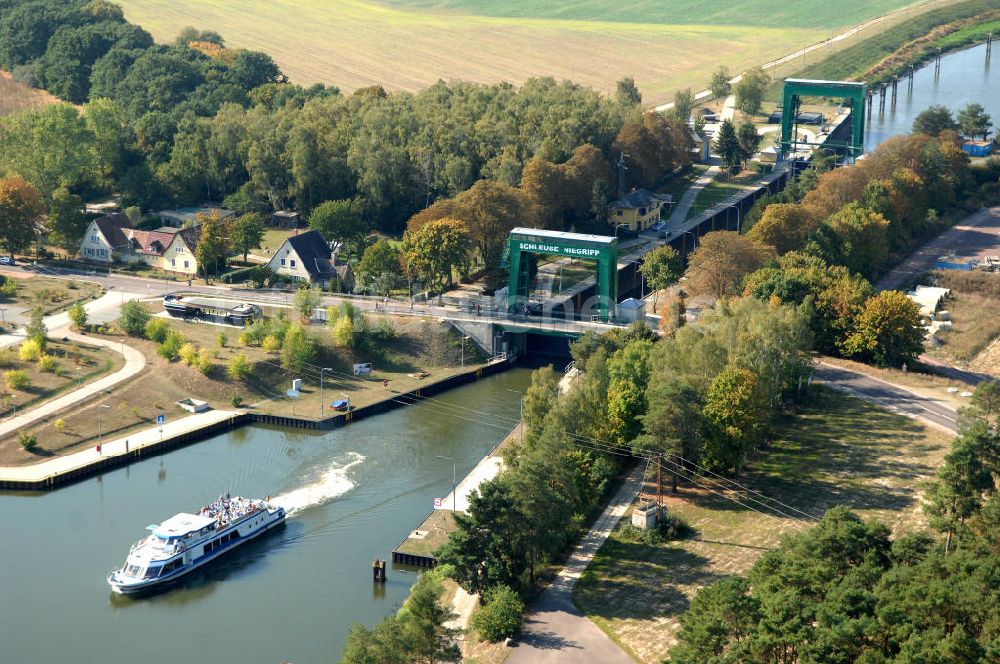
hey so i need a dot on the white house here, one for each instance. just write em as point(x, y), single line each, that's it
point(112, 238)
point(307, 257)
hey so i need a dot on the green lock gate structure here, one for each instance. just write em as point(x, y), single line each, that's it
point(854, 93)
point(600, 248)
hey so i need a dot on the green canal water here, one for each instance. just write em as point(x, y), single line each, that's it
point(354, 493)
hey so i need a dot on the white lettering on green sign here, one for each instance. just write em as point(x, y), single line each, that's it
point(555, 249)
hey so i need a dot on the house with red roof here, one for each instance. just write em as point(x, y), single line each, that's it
point(113, 238)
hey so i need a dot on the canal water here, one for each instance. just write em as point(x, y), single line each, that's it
point(354, 493)
point(965, 77)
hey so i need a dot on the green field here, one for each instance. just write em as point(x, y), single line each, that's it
point(410, 45)
point(764, 13)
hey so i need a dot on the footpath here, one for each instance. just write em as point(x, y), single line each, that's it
point(59, 327)
point(132, 444)
point(555, 631)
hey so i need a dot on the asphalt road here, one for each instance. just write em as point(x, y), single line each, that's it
point(889, 396)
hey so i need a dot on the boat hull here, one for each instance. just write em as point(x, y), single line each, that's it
point(150, 586)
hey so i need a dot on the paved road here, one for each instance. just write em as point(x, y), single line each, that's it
point(889, 396)
point(555, 631)
point(974, 234)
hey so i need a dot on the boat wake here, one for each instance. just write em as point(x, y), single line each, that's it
point(332, 483)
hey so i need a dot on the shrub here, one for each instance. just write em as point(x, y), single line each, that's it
point(500, 617)
point(16, 379)
point(133, 318)
point(8, 288)
point(238, 367)
point(171, 345)
point(384, 330)
point(30, 351)
point(36, 328)
point(156, 330)
point(237, 401)
point(203, 362)
point(47, 362)
point(188, 354)
point(343, 332)
point(59, 425)
point(28, 440)
point(78, 316)
point(222, 340)
point(271, 344)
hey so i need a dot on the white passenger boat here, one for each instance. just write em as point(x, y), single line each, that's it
point(187, 541)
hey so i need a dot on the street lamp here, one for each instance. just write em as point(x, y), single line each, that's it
point(322, 401)
point(3, 318)
point(454, 487)
point(464, 339)
point(13, 402)
point(735, 207)
point(100, 424)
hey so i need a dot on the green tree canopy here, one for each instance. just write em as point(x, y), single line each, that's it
point(434, 251)
point(341, 221)
point(974, 121)
point(933, 120)
point(247, 233)
point(887, 331)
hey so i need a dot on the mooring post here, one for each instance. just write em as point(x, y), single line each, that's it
point(881, 99)
point(989, 46)
point(895, 82)
point(937, 63)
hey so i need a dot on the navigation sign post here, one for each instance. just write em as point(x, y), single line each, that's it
point(437, 503)
point(160, 419)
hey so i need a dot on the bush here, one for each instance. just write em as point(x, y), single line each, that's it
point(203, 362)
point(500, 617)
point(30, 351)
point(671, 528)
point(59, 425)
point(222, 340)
point(238, 367)
point(48, 363)
point(28, 440)
point(188, 354)
point(36, 329)
point(156, 330)
point(16, 379)
point(78, 316)
point(343, 332)
point(271, 344)
point(134, 318)
point(237, 401)
point(171, 345)
point(8, 287)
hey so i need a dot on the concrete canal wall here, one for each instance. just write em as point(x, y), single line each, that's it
point(116, 453)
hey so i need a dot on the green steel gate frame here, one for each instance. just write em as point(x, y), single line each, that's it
point(576, 245)
point(794, 88)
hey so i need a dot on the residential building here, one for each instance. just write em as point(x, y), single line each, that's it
point(638, 210)
point(113, 238)
point(308, 257)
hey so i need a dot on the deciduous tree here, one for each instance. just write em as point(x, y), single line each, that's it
point(661, 268)
point(247, 233)
point(21, 210)
point(749, 91)
point(887, 331)
point(721, 261)
point(933, 120)
point(436, 250)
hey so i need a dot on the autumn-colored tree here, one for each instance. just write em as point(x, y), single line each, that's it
point(721, 261)
point(213, 243)
point(888, 331)
point(835, 189)
point(784, 226)
point(547, 185)
point(436, 250)
point(863, 236)
point(21, 210)
point(489, 210)
point(654, 147)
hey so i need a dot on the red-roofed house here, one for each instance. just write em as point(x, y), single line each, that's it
point(113, 238)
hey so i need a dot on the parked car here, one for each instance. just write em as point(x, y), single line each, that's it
point(7, 260)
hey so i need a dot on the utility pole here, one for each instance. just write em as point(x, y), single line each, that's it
point(659, 483)
point(620, 165)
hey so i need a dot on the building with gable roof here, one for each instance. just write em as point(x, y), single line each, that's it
point(308, 257)
point(638, 210)
point(112, 238)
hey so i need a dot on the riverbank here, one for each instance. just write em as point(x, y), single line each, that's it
point(86, 463)
point(913, 41)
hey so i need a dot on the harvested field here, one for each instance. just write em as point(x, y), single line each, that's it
point(837, 451)
point(410, 45)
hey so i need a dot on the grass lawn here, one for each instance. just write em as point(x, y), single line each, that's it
point(677, 184)
point(77, 363)
point(15, 97)
point(721, 188)
point(839, 450)
point(52, 294)
point(975, 325)
point(409, 46)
